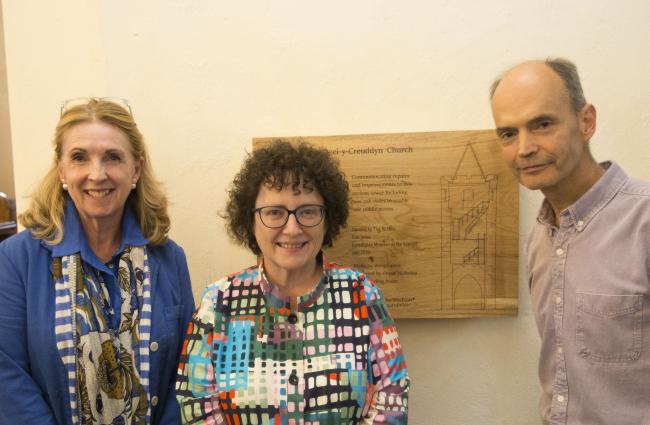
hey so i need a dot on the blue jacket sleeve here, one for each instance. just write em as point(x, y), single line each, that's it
point(171, 414)
point(21, 398)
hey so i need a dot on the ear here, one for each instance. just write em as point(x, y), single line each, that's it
point(587, 122)
point(139, 164)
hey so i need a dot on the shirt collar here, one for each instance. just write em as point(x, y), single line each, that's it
point(581, 212)
point(74, 239)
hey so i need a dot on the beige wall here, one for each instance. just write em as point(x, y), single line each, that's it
point(6, 162)
point(204, 77)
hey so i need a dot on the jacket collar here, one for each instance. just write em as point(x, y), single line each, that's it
point(74, 239)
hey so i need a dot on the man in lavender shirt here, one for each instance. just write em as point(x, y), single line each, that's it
point(588, 255)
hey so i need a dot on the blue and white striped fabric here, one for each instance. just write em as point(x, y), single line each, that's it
point(144, 326)
point(64, 324)
point(67, 272)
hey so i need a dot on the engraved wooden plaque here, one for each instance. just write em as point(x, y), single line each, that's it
point(433, 220)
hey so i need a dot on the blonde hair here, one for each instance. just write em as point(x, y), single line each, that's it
point(44, 216)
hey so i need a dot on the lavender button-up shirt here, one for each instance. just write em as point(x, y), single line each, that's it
point(589, 280)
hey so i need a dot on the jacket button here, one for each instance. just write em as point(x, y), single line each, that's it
point(293, 319)
point(154, 401)
point(153, 346)
point(293, 380)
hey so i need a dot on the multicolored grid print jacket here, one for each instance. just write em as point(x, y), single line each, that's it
point(334, 360)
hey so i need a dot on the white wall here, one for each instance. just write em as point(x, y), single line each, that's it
point(204, 77)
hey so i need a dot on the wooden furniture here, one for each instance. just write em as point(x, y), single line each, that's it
point(8, 225)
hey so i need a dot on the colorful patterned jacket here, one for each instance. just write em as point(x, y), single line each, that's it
point(334, 360)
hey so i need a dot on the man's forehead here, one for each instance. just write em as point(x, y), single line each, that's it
point(535, 75)
point(531, 88)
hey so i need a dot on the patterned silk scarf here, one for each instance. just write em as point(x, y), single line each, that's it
point(108, 369)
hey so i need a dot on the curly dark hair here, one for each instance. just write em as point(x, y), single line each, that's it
point(279, 165)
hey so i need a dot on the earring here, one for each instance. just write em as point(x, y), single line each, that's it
point(133, 185)
point(64, 185)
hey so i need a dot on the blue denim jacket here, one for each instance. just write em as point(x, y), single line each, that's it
point(33, 386)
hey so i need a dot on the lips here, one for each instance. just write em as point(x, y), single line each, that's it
point(97, 193)
point(291, 245)
point(532, 168)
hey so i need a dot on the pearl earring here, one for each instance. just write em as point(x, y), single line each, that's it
point(64, 185)
point(133, 185)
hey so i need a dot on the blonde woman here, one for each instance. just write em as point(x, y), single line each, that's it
point(95, 297)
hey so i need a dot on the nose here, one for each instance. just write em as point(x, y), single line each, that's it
point(527, 145)
point(97, 171)
point(292, 226)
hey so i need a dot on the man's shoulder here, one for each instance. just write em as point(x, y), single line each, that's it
point(638, 188)
point(622, 197)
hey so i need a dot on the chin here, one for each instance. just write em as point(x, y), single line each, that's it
point(295, 264)
point(533, 184)
point(97, 215)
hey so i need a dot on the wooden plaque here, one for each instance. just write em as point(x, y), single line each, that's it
point(433, 220)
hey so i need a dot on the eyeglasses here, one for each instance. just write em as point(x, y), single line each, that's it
point(68, 104)
point(277, 216)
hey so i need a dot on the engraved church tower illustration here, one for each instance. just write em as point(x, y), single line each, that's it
point(468, 220)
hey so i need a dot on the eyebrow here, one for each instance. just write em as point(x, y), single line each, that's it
point(500, 130)
point(531, 122)
point(120, 151)
point(107, 152)
point(542, 118)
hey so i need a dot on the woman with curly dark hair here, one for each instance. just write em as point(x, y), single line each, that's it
point(294, 339)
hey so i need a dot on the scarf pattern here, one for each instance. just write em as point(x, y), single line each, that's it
point(108, 369)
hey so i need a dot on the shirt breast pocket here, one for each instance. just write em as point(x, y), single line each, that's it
point(172, 315)
point(608, 327)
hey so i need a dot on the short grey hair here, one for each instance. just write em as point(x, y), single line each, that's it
point(568, 72)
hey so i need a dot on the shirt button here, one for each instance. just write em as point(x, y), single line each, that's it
point(110, 266)
point(580, 223)
point(559, 350)
point(559, 251)
point(153, 346)
point(560, 398)
point(293, 318)
point(558, 300)
point(154, 401)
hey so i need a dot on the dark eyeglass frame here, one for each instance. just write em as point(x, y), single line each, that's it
point(80, 101)
point(289, 212)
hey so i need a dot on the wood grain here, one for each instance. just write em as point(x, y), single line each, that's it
point(434, 220)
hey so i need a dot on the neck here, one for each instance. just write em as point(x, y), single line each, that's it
point(103, 238)
point(562, 197)
point(295, 283)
